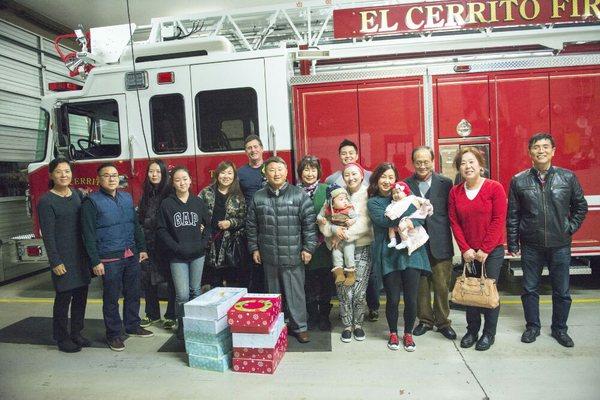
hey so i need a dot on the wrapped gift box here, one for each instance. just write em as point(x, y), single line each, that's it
point(206, 338)
point(219, 364)
point(254, 313)
point(260, 340)
point(208, 350)
point(261, 353)
point(259, 365)
point(204, 326)
point(214, 304)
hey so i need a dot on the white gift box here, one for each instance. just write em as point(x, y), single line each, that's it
point(205, 326)
point(214, 304)
point(260, 340)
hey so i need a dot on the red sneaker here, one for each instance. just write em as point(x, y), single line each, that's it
point(393, 342)
point(409, 343)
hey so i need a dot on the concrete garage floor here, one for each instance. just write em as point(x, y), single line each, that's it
point(359, 370)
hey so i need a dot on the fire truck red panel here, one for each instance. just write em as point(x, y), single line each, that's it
point(391, 122)
point(461, 98)
point(520, 107)
point(326, 115)
point(575, 121)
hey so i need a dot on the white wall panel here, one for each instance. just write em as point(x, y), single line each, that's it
point(25, 70)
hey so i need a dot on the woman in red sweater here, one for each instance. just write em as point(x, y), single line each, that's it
point(477, 212)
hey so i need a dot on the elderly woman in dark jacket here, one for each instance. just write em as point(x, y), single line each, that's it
point(319, 283)
point(282, 236)
point(227, 212)
point(155, 269)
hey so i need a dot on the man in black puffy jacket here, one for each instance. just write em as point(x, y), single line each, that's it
point(546, 207)
point(282, 236)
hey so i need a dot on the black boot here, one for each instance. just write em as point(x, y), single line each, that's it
point(313, 315)
point(324, 322)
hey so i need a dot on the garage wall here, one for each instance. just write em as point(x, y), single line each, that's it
point(27, 63)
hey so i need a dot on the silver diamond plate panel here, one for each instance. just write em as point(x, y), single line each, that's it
point(520, 63)
point(358, 75)
point(428, 100)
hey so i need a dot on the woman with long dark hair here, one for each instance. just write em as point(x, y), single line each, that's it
point(183, 227)
point(155, 269)
point(59, 213)
point(401, 272)
point(227, 213)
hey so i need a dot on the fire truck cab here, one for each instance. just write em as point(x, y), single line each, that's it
point(306, 78)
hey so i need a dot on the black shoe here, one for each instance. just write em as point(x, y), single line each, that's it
point(448, 332)
point(529, 335)
point(359, 334)
point(141, 332)
point(485, 342)
point(68, 346)
point(346, 336)
point(324, 324)
point(421, 329)
point(81, 341)
point(373, 315)
point(563, 338)
point(116, 344)
point(468, 340)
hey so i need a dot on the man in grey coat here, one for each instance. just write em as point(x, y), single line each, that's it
point(435, 187)
point(282, 236)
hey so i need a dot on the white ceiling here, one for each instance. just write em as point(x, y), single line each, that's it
point(96, 13)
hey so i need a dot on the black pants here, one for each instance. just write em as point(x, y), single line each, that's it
point(373, 292)
point(77, 299)
point(493, 265)
point(319, 289)
point(406, 282)
point(152, 308)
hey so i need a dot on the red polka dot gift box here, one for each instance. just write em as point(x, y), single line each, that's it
point(254, 313)
point(260, 360)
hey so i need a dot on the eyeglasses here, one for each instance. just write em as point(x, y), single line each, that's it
point(110, 176)
point(422, 163)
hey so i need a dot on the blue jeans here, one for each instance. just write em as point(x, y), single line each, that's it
point(186, 278)
point(558, 260)
point(121, 276)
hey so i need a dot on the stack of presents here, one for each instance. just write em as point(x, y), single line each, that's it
point(228, 326)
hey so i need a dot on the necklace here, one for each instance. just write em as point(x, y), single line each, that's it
point(67, 193)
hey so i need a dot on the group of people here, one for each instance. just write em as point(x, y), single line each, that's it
point(251, 227)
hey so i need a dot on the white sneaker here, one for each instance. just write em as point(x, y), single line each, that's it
point(401, 245)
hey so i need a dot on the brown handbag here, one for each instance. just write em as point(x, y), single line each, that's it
point(476, 291)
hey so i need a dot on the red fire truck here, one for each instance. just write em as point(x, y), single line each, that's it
point(388, 77)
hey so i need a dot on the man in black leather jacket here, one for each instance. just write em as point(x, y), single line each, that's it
point(546, 207)
point(282, 236)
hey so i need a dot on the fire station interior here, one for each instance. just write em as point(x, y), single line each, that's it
point(441, 86)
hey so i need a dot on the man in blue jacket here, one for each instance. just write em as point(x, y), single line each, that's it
point(115, 244)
